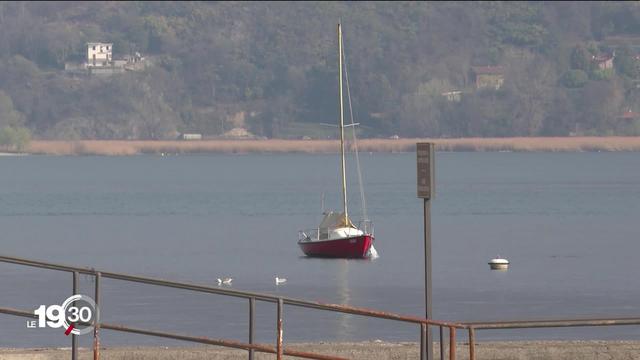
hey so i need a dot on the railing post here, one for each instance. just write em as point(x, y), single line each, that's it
point(279, 335)
point(472, 344)
point(423, 341)
point(441, 344)
point(74, 340)
point(452, 343)
point(252, 314)
point(428, 267)
point(96, 324)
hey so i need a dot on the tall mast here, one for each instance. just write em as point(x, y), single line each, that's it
point(344, 175)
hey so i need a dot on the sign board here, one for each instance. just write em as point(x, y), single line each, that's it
point(426, 177)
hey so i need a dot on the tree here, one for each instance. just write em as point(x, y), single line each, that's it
point(599, 105)
point(575, 79)
point(15, 138)
point(625, 62)
point(529, 88)
point(209, 60)
point(22, 138)
point(580, 58)
point(602, 74)
point(9, 116)
point(156, 120)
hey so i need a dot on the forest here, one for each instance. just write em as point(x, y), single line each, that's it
point(561, 69)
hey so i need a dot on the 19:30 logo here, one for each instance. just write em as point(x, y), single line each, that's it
point(78, 315)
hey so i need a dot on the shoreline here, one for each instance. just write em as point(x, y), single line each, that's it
point(375, 350)
point(271, 146)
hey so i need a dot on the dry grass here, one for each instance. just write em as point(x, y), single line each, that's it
point(554, 144)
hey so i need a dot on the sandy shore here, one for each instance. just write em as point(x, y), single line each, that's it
point(374, 350)
point(555, 144)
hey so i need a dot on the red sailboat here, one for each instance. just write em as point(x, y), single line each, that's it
point(337, 236)
point(337, 239)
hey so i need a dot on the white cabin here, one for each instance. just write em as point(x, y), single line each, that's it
point(99, 54)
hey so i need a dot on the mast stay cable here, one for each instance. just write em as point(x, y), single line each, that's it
point(355, 143)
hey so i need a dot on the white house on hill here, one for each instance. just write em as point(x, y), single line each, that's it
point(99, 54)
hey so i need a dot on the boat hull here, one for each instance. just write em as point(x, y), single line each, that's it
point(353, 247)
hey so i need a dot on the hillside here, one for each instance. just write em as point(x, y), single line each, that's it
point(417, 69)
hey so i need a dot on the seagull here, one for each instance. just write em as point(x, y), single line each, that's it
point(280, 280)
point(225, 281)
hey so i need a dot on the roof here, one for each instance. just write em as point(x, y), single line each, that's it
point(98, 43)
point(488, 70)
point(238, 133)
point(629, 115)
point(602, 57)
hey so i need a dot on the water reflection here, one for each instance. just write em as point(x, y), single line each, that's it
point(345, 328)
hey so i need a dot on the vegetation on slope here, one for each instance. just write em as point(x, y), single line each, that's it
point(271, 68)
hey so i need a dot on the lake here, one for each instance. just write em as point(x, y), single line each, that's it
point(568, 222)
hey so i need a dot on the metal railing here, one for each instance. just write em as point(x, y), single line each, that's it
point(308, 234)
point(532, 324)
point(279, 349)
point(252, 297)
point(366, 226)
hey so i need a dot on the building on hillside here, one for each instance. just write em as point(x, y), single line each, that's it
point(190, 137)
point(603, 61)
point(488, 77)
point(100, 61)
point(629, 115)
point(238, 133)
point(99, 54)
point(453, 96)
point(628, 123)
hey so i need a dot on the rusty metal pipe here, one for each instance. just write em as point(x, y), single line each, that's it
point(252, 315)
point(279, 329)
point(452, 343)
point(370, 312)
point(230, 292)
point(472, 344)
point(423, 342)
point(553, 323)
point(219, 342)
point(74, 337)
point(96, 327)
point(16, 312)
point(201, 340)
point(441, 344)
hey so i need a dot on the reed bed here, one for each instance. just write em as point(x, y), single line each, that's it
point(119, 148)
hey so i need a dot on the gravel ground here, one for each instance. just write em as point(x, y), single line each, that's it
point(511, 350)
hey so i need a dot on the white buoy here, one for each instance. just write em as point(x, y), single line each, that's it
point(499, 264)
point(280, 280)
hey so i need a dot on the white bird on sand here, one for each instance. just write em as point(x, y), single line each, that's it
point(225, 281)
point(280, 280)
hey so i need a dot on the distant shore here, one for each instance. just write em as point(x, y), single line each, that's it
point(373, 350)
point(134, 147)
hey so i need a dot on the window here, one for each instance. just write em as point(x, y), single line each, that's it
point(94, 47)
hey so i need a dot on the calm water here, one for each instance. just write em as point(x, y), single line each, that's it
point(569, 223)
